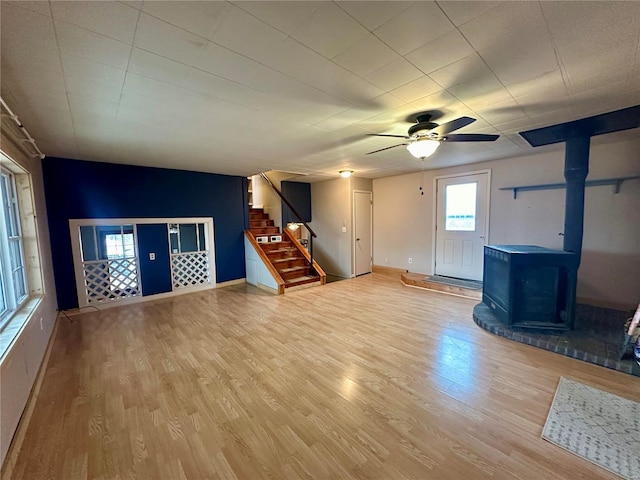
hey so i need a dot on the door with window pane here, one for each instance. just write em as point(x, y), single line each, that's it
point(461, 224)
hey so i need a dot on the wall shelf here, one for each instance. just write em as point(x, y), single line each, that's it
point(616, 182)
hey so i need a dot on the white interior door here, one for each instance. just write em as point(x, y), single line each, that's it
point(461, 225)
point(362, 203)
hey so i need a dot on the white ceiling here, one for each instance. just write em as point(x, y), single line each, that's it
point(240, 88)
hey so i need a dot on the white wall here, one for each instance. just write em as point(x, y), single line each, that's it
point(20, 365)
point(610, 269)
point(331, 210)
point(269, 199)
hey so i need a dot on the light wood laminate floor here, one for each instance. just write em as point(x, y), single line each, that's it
point(362, 378)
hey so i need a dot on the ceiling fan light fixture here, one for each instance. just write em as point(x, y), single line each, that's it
point(423, 148)
point(346, 173)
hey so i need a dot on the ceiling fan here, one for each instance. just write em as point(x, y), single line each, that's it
point(425, 136)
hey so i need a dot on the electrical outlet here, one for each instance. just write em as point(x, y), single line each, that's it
point(386, 259)
point(152, 256)
point(410, 260)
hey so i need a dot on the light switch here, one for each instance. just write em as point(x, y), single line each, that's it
point(344, 229)
point(152, 256)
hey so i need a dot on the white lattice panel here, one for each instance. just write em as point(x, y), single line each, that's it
point(190, 269)
point(111, 280)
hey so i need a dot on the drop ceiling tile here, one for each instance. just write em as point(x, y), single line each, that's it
point(97, 91)
point(329, 30)
point(168, 41)
point(360, 94)
point(85, 110)
point(462, 71)
point(395, 74)
point(461, 12)
point(220, 88)
point(599, 69)
point(414, 27)
point(239, 32)
point(40, 7)
point(111, 19)
point(480, 86)
point(440, 52)
point(374, 14)
point(416, 89)
point(501, 112)
point(82, 43)
point(84, 70)
point(157, 67)
point(200, 18)
point(285, 16)
point(311, 68)
point(489, 99)
point(147, 87)
point(587, 28)
point(442, 101)
point(512, 26)
point(546, 81)
point(237, 68)
point(608, 97)
point(366, 56)
point(233, 66)
point(27, 38)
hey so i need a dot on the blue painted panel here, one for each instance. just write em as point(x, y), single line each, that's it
point(299, 195)
point(80, 189)
point(154, 274)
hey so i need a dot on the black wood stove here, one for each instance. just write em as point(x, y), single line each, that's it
point(530, 287)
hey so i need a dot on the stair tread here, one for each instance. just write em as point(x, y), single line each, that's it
point(286, 259)
point(301, 280)
point(293, 269)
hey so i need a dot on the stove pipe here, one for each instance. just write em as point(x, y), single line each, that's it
point(576, 168)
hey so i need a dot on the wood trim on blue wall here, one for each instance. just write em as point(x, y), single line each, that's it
point(82, 189)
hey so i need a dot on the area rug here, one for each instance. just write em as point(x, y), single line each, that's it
point(597, 426)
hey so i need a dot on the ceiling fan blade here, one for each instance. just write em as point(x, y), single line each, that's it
point(387, 148)
point(470, 137)
point(453, 125)
point(384, 135)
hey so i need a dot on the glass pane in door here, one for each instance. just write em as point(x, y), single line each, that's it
point(460, 207)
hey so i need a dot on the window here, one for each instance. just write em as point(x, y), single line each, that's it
point(460, 207)
point(13, 281)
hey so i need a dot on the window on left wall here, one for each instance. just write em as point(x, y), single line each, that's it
point(14, 290)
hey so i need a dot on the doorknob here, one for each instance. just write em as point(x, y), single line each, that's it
point(481, 236)
point(357, 239)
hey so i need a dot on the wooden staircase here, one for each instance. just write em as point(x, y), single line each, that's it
point(289, 260)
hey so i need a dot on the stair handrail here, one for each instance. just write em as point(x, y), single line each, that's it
point(312, 234)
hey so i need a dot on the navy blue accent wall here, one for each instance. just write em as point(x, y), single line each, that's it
point(80, 189)
point(299, 195)
point(155, 274)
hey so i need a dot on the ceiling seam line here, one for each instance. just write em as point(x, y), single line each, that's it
point(563, 69)
point(64, 77)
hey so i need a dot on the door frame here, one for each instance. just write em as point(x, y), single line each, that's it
point(435, 208)
point(353, 230)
